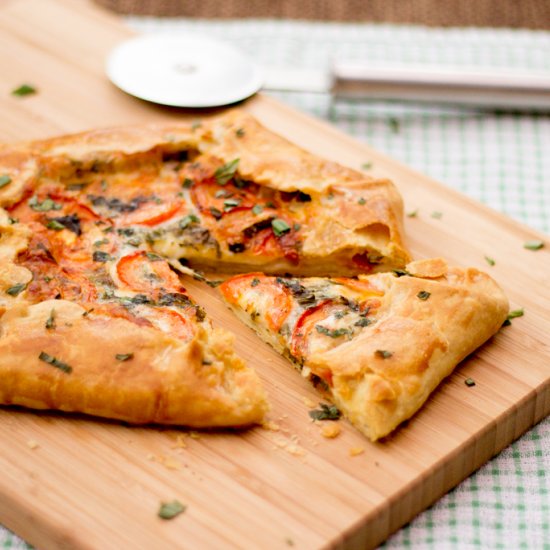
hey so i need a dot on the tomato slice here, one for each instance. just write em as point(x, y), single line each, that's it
point(218, 201)
point(171, 322)
point(140, 273)
point(257, 291)
point(150, 213)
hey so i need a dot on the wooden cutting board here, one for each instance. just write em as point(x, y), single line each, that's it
point(74, 482)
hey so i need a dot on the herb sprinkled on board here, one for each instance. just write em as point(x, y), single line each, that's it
point(412, 213)
point(512, 315)
point(326, 412)
point(280, 227)
point(469, 382)
point(423, 295)
point(4, 180)
point(169, 510)
point(437, 215)
point(16, 289)
point(54, 362)
point(533, 245)
point(23, 90)
point(490, 260)
point(226, 172)
point(124, 356)
point(384, 354)
point(366, 165)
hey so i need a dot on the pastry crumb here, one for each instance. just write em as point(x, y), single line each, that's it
point(271, 426)
point(32, 444)
point(309, 403)
point(194, 435)
point(330, 431)
point(356, 451)
point(179, 443)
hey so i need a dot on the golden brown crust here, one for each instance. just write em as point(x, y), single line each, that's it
point(197, 383)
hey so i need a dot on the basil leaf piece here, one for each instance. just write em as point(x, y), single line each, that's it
point(333, 333)
point(186, 221)
point(469, 382)
point(187, 183)
point(44, 206)
point(533, 245)
point(124, 356)
point(280, 227)
point(258, 209)
point(412, 214)
point(215, 212)
point(490, 260)
point(423, 295)
point(226, 172)
point(4, 180)
point(326, 412)
point(100, 256)
point(16, 289)
point(55, 225)
point(255, 282)
point(23, 90)
point(169, 510)
point(50, 322)
point(515, 313)
point(384, 354)
point(361, 201)
point(54, 362)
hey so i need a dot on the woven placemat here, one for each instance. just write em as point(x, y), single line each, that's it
point(532, 14)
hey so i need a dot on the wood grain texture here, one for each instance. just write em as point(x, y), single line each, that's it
point(76, 482)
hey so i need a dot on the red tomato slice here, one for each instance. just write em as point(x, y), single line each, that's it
point(305, 324)
point(171, 322)
point(276, 300)
point(204, 197)
point(150, 213)
point(141, 274)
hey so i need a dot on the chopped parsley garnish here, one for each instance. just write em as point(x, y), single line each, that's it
point(469, 382)
point(515, 313)
point(412, 214)
point(401, 272)
point(97, 244)
point(437, 215)
point(186, 221)
point(280, 227)
point(423, 295)
point(213, 283)
point(226, 172)
point(151, 256)
point(533, 245)
point(258, 209)
point(333, 333)
point(215, 212)
point(23, 90)
point(363, 322)
point(16, 289)
point(99, 256)
point(489, 260)
point(361, 201)
point(54, 362)
point(169, 510)
point(44, 206)
point(366, 165)
point(124, 356)
point(270, 204)
point(222, 193)
point(229, 204)
point(50, 322)
point(55, 225)
point(384, 354)
point(187, 183)
point(4, 180)
point(296, 227)
point(255, 282)
point(240, 132)
point(326, 412)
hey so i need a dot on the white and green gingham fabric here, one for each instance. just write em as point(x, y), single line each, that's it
point(502, 160)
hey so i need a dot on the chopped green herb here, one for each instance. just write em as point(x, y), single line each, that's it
point(54, 362)
point(99, 256)
point(23, 90)
point(50, 322)
point(469, 382)
point(47, 279)
point(215, 212)
point(363, 322)
point(226, 172)
point(515, 313)
point(333, 333)
point(296, 227)
point(229, 204)
point(16, 289)
point(222, 193)
point(154, 257)
point(437, 215)
point(330, 196)
point(269, 205)
point(366, 165)
point(255, 282)
point(533, 245)
point(4, 180)
point(258, 209)
point(326, 412)
point(361, 201)
point(124, 356)
point(280, 227)
point(77, 186)
point(401, 272)
point(186, 221)
point(87, 312)
point(44, 206)
point(101, 242)
point(423, 295)
point(240, 132)
point(213, 284)
point(12, 220)
point(169, 510)
point(394, 124)
point(412, 214)
point(55, 225)
point(490, 260)
point(187, 183)
point(506, 323)
point(384, 354)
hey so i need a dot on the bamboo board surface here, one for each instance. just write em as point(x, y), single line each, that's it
point(75, 482)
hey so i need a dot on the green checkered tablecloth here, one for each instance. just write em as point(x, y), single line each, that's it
point(502, 160)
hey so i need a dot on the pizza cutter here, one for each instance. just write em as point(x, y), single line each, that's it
point(183, 71)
